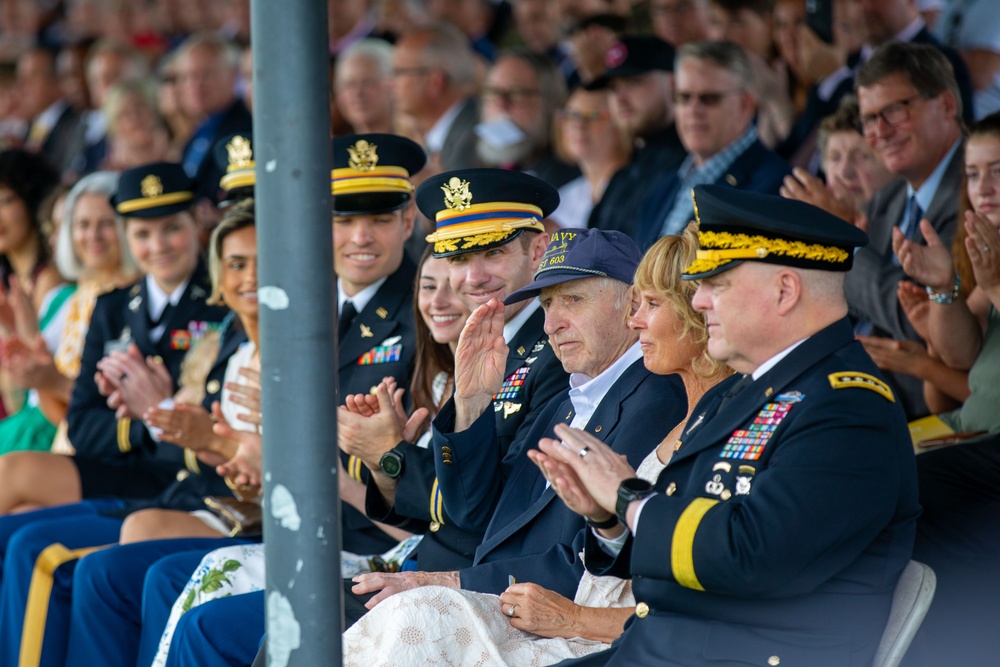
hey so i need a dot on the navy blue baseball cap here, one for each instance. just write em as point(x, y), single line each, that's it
point(479, 209)
point(573, 254)
point(371, 173)
point(735, 226)
point(153, 190)
point(633, 55)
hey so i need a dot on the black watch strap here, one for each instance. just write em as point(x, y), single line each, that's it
point(602, 525)
point(629, 490)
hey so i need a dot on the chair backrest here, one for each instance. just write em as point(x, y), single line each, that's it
point(910, 602)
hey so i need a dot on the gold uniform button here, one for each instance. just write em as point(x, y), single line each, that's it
point(598, 429)
point(726, 494)
point(213, 387)
point(642, 610)
point(446, 450)
point(671, 489)
point(158, 360)
point(183, 475)
point(774, 660)
point(435, 526)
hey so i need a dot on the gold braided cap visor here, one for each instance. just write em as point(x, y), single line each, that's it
point(720, 248)
point(479, 225)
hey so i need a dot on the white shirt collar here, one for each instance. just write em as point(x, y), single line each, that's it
point(434, 139)
point(586, 393)
point(773, 361)
point(361, 299)
point(515, 323)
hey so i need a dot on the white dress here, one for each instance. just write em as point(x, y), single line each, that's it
point(435, 625)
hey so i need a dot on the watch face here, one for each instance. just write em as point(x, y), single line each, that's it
point(636, 485)
point(390, 464)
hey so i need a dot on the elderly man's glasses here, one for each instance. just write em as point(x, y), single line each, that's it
point(894, 114)
point(711, 99)
point(515, 95)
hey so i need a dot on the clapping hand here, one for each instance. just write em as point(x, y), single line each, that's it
point(983, 246)
point(140, 384)
point(583, 471)
point(247, 395)
point(368, 431)
point(245, 467)
point(928, 264)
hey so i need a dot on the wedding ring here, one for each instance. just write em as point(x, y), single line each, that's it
point(986, 249)
point(583, 452)
point(510, 612)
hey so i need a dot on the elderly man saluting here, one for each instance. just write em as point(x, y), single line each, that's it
point(776, 534)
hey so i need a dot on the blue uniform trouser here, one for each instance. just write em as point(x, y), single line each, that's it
point(53, 540)
point(107, 623)
point(224, 631)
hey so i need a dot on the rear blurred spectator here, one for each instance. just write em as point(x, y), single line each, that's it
point(52, 119)
point(586, 136)
point(207, 67)
point(136, 132)
point(679, 21)
point(85, 19)
point(519, 99)
point(748, 24)
point(396, 18)
point(973, 27)
point(472, 17)
point(363, 86)
point(233, 17)
point(180, 124)
point(71, 68)
point(591, 37)
point(349, 21)
point(109, 63)
point(641, 83)
point(13, 124)
point(536, 24)
point(21, 22)
point(434, 84)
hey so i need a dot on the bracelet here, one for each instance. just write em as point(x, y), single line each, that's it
point(937, 297)
point(602, 525)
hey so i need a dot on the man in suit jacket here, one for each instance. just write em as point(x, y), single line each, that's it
point(911, 118)
point(639, 78)
point(207, 67)
point(715, 103)
point(583, 283)
point(779, 528)
point(53, 121)
point(435, 80)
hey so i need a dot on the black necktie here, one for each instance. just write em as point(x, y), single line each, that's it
point(735, 390)
point(347, 314)
point(153, 323)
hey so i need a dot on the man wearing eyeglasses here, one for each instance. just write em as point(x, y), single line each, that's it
point(521, 93)
point(715, 103)
point(433, 71)
point(911, 117)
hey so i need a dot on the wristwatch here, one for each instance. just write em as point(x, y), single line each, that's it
point(629, 490)
point(391, 463)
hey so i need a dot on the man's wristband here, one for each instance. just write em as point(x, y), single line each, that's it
point(610, 522)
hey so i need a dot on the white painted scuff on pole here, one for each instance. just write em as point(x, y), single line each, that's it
point(271, 165)
point(283, 508)
point(284, 632)
point(273, 297)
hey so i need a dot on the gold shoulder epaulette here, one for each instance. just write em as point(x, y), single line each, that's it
point(864, 380)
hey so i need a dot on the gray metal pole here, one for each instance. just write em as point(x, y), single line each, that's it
point(292, 156)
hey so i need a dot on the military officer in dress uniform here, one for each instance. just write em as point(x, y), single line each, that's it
point(373, 215)
point(489, 227)
point(131, 360)
point(777, 532)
